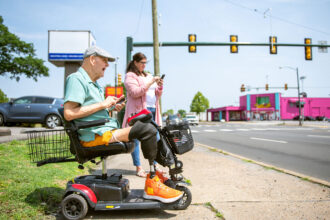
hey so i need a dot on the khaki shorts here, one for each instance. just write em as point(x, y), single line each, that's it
point(99, 140)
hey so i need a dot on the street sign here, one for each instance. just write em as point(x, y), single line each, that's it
point(323, 49)
point(110, 91)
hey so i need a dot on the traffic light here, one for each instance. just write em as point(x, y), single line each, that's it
point(233, 48)
point(242, 88)
point(308, 49)
point(285, 86)
point(267, 87)
point(119, 79)
point(273, 48)
point(192, 38)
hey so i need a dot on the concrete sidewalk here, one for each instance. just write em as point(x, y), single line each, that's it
point(235, 188)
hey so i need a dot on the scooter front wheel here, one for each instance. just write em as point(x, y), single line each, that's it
point(185, 201)
point(74, 207)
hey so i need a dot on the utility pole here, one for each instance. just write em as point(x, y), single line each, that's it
point(155, 37)
point(156, 43)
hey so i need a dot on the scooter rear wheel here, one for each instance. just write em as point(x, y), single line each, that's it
point(185, 201)
point(74, 207)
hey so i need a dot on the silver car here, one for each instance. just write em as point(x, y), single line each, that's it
point(172, 120)
point(192, 119)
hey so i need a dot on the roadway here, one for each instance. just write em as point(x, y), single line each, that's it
point(305, 150)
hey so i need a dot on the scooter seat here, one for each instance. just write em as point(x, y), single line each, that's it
point(108, 150)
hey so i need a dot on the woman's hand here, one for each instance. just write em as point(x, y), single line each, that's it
point(160, 82)
point(155, 79)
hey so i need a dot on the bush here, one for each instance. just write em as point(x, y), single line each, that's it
point(3, 97)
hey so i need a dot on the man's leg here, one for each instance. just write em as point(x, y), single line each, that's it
point(146, 133)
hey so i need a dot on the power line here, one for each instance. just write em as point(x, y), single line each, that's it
point(139, 20)
point(276, 17)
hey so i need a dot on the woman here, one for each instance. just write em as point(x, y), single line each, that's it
point(143, 91)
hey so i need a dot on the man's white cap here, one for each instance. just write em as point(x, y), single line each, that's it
point(94, 50)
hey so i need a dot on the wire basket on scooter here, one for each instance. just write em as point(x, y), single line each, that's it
point(49, 146)
point(180, 137)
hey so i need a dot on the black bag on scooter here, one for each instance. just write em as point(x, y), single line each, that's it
point(164, 154)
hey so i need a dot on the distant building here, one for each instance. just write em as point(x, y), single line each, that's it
point(271, 106)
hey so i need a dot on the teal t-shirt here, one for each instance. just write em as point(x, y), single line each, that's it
point(81, 89)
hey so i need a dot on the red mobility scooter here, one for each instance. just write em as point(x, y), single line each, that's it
point(104, 192)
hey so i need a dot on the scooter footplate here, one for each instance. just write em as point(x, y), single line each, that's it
point(134, 200)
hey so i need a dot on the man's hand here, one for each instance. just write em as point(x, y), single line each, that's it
point(109, 101)
point(119, 107)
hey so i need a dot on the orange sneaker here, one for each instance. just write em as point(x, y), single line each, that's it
point(161, 176)
point(155, 189)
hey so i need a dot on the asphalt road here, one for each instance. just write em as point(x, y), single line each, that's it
point(301, 149)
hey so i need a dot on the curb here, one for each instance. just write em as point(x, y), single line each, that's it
point(5, 132)
point(279, 169)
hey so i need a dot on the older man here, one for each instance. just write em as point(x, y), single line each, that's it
point(84, 101)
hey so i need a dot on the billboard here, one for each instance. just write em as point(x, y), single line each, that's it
point(68, 46)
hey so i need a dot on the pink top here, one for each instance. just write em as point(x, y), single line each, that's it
point(136, 97)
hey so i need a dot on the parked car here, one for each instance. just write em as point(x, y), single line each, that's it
point(172, 120)
point(321, 118)
point(192, 119)
point(306, 118)
point(32, 109)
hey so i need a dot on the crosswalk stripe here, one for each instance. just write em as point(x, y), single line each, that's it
point(210, 130)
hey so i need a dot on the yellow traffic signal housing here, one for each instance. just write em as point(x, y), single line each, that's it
point(233, 48)
point(285, 86)
point(242, 88)
point(308, 49)
point(267, 87)
point(273, 48)
point(192, 38)
point(119, 79)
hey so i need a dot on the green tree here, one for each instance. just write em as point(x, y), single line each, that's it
point(18, 57)
point(199, 103)
point(3, 97)
point(169, 112)
point(182, 112)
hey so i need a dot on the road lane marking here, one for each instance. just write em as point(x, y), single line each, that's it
point(320, 136)
point(242, 129)
point(274, 129)
point(210, 130)
point(262, 139)
point(225, 130)
point(194, 131)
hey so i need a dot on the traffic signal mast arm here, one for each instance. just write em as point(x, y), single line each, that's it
point(168, 44)
point(192, 45)
point(243, 88)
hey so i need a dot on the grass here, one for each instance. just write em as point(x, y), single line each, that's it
point(28, 191)
point(217, 213)
point(248, 161)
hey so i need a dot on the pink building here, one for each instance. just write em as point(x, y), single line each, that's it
point(271, 106)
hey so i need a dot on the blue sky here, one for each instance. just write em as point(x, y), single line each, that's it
point(214, 71)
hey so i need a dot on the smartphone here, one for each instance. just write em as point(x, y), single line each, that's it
point(121, 100)
point(162, 77)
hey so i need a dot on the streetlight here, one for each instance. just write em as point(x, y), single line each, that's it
point(116, 61)
point(299, 103)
